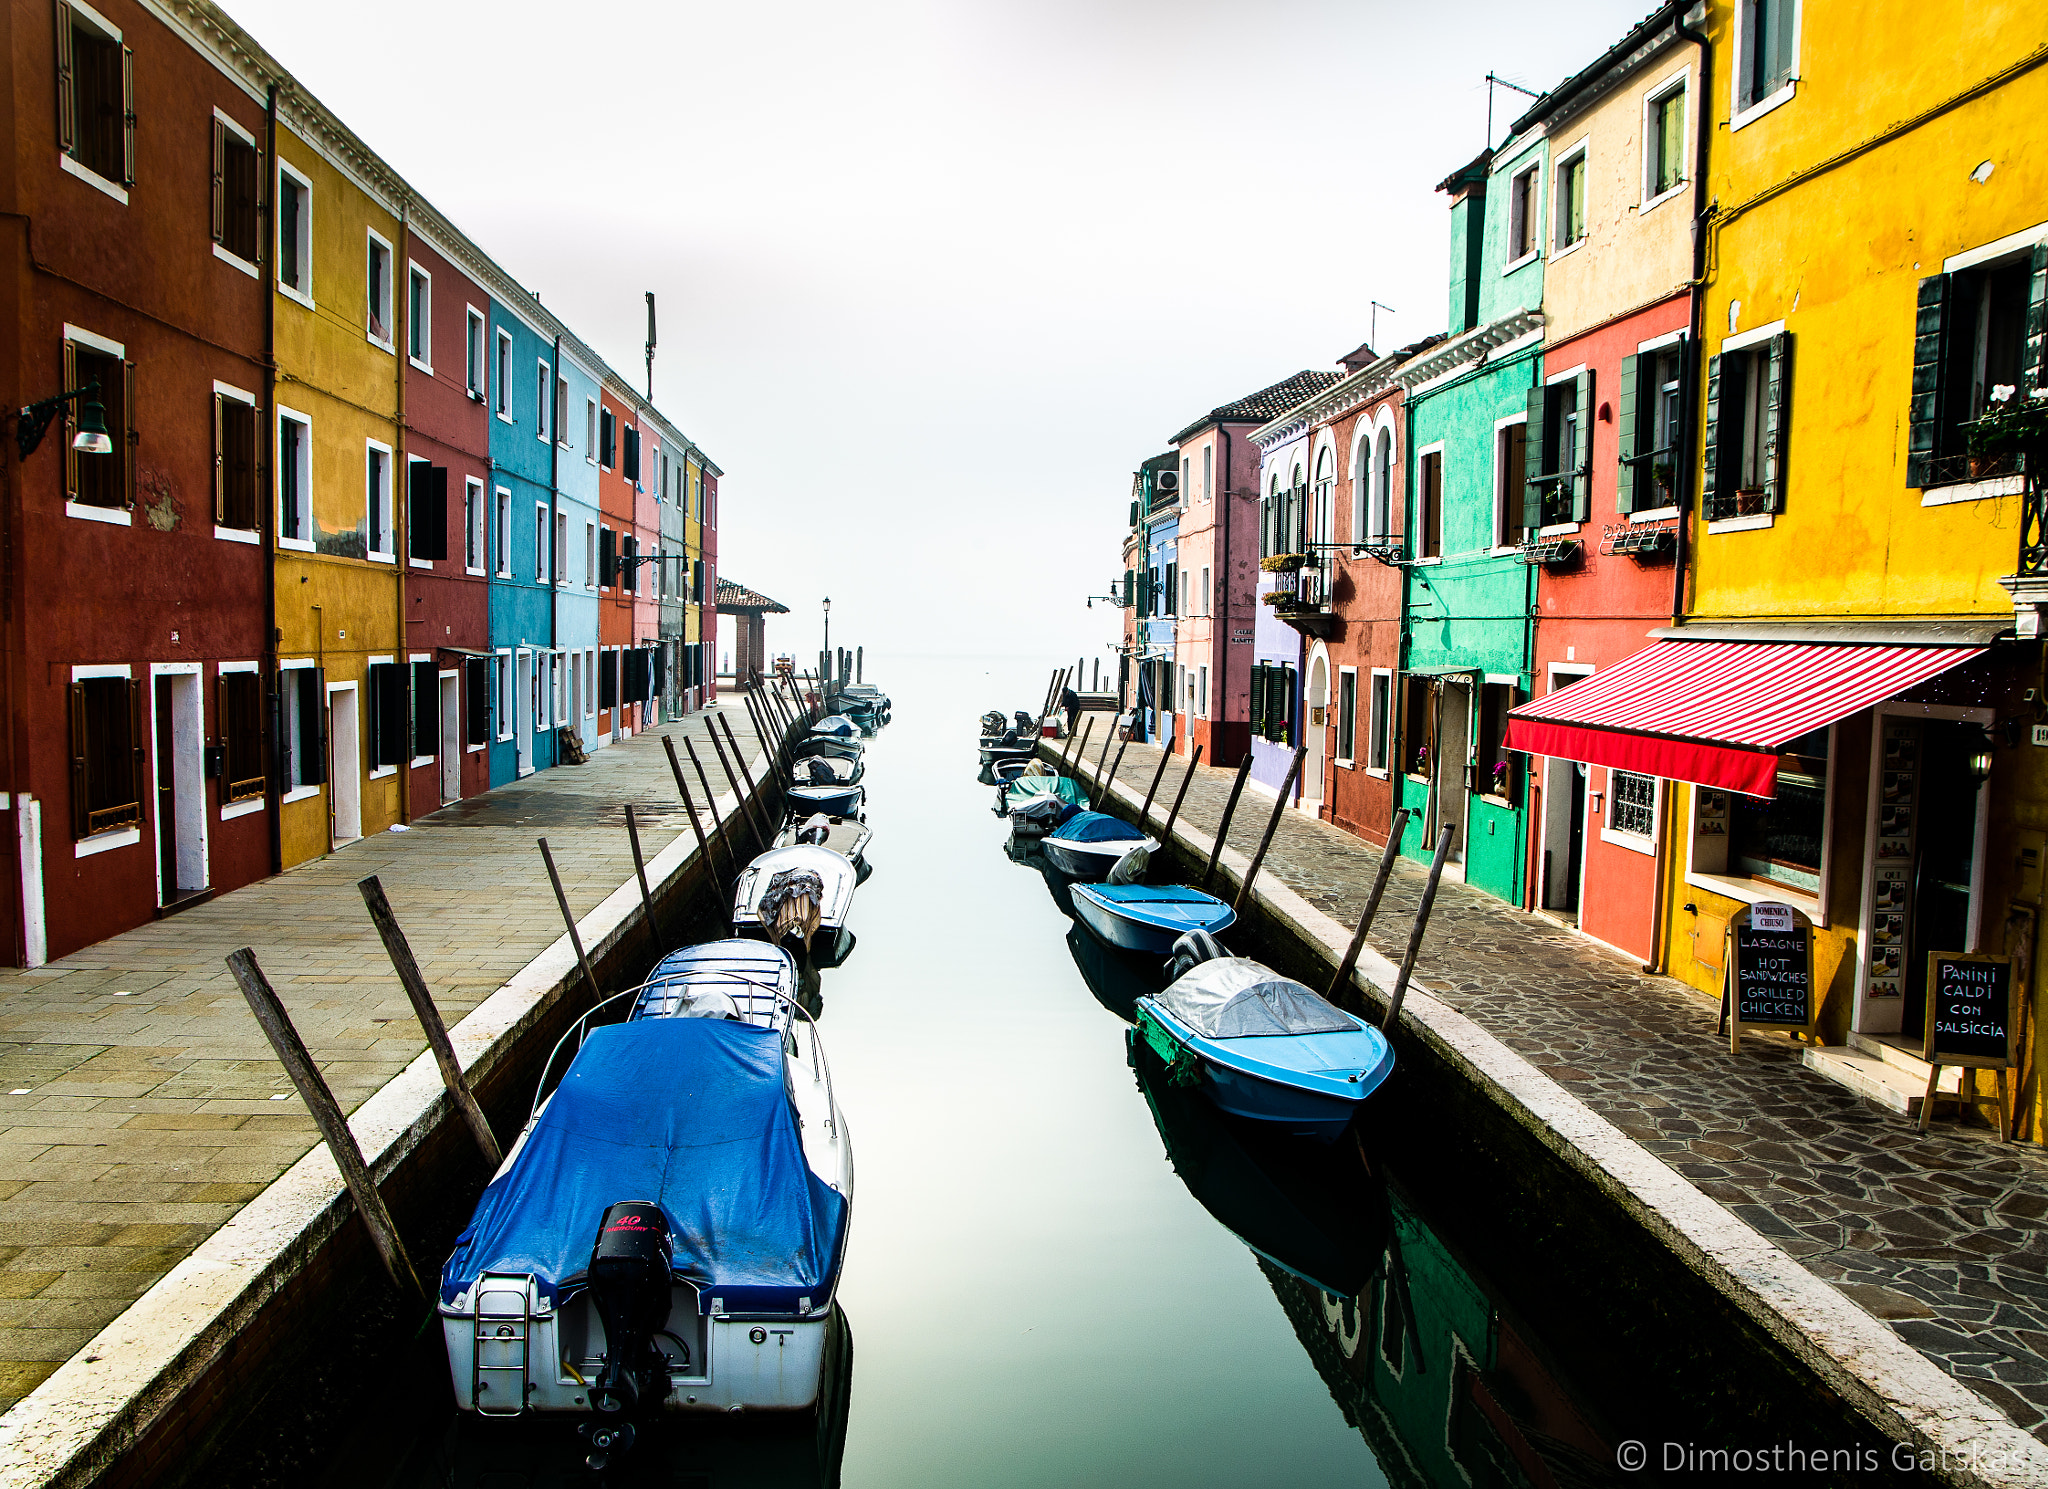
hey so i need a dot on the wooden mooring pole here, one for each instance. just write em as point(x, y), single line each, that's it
point(703, 847)
point(1229, 809)
point(640, 872)
point(1078, 746)
point(1166, 835)
point(1244, 890)
point(1436, 872)
point(1145, 811)
point(718, 827)
point(409, 977)
point(1108, 738)
point(765, 836)
point(327, 1116)
point(1102, 786)
point(568, 919)
point(1372, 904)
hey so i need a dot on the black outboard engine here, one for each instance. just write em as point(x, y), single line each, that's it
point(629, 1286)
point(1190, 951)
point(1025, 723)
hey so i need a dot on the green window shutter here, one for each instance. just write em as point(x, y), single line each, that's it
point(2034, 358)
point(1173, 589)
point(1582, 450)
point(1710, 478)
point(1532, 463)
point(1777, 420)
point(1625, 419)
point(1923, 412)
point(1258, 700)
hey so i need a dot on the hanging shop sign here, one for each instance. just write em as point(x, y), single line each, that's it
point(1767, 974)
point(1969, 1023)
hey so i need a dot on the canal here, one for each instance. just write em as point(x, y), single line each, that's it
point(1065, 1271)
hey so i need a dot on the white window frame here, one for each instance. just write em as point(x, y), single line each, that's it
point(501, 376)
point(617, 547)
point(375, 555)
point(590, 682)
point(1202, 692)
point(561, 411)
point(1580, 150)
point(1636, 842)
point(476, 353)
point(114, 837)
point(237, 534)
point(1738, 116)
point(220, 251)
point(543, 397)
point(305, 244)
point(1412, 542)
point(420, 328)
point(1537, 197)
point(1740, 342)
point(377, 773)
point(296, 664)
point(590, 555)
point(1500, 515)
point(377, 239)
point(501, 547)
point(411, 562)
point(1383, 742)
point(543, 540)
point(65, 162)
point(1679, 82)
point(413, 659)
point(476, 526)
point(1349, 762)
point(86, 511)
point(590, 431)
point(1205, 591)
point(561, 562)
point(303, 497)
point(506, 679)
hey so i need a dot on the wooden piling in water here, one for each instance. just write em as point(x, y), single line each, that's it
point(1372, 904)
point(718, 827)
point(569, 919)
point(1436, 872)
point(1079, 745)
point(1145, 811)
point(1166, 836)
point(1102, 785)
point(703, 847)
point(640, 872)
point(766, 836)
point(415, 984)
point(1244, 890)
point(1108, 738)
point(327, 1116)
point(1229, 808)
point(767, 737)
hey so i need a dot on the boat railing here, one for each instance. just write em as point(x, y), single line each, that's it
point(580, 1029)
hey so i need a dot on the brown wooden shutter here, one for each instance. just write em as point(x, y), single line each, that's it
point(64, 424)
point(78, 812)
point(220, 204)
point(220, 454)
point(67, 95)
point(136, 752)
point(128, 444)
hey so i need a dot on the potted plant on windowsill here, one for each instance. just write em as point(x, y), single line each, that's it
point(1282, 600)
point(1283, 563)
point(2010, 426)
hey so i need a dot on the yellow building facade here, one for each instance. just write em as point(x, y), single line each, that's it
point(1876, 250)
point(336, 474)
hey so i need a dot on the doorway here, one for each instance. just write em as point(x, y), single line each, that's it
point(344, 764)
point(1944, 860)
point(451, 738)
point(522, 713)
point(177, 708)
point(1448, 769)
point(1312, 734)
point(1564, 836)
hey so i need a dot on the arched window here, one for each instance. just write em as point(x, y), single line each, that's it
point(1383, 486)
point(1269, 518)
point(1326, 494)
point(1297, 495)
point(1361, 493)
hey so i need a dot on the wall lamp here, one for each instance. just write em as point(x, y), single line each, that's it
point(91, 438)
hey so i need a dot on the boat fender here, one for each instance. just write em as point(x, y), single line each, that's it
point(1190, 951)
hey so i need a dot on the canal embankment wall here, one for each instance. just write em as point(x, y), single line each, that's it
point(1499, 1112)
point(183, 1366)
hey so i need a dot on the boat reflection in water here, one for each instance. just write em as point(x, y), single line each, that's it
point(1026, 853)
point(1416, 1353)
point(761, 1452)
point(1116, 978)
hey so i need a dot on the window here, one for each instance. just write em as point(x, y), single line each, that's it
point(1418, 725)
point(540, 543)
point(1522, 215)
point(377, 500)
point(294, 479)
point(1971, 338)
point(562, 410)
point(628, 569)
point(294, 234)
point(590, 555)
point(561, 564)
point(419, 317)
point(106, 755)
point(95, 97)
point(1326, 496)
point(542, 690)
point(1361, 492)
point(501, 695)
point(590, 430)
point(1764, 42)
point(1664, 143)
point(590, 683)
point(1208, 466)
point(235, 174)
point(390, 718)
point(1651, 424)
point(1205, 589)
point(1631, 805)
point(473, 525)
point(1378, 726)
point(607, 438)
point(1429, 500)
point(1748, 409)
point(607, 557)
point(1173, 606)
point(1202, 691)
point(426, 512)
point(1571, 200)
point(1347, 715)
point(302, 749)
point(504, 545)
point(105, 481)
point(1383, 485)
point(234, 459)
point(1777, 840)
point(543, 389)
point(502, 397)
point(1495, 772)
point(426, 711)
point(473, 355)
point(377, 270)
point(1511, 465)
point(1558, 452)
point(632, 468)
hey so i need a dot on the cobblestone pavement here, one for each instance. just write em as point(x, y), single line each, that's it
point(140, 1106)
point(1943, 1234)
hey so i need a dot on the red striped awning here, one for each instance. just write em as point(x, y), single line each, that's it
point(1715, 712)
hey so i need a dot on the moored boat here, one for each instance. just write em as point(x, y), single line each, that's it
point(1264, 1047)
point(1149, 917)
point(802, 892)
point(1089, 844)
point(833, 799)
point(837, 725)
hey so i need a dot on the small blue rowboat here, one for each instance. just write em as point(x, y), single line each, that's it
point(1088, 845)
point(1265, 1048)
point(838, 726)
point(1149, 917)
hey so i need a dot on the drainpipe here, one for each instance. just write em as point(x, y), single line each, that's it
point(266, 511)
point(1223, 590)
point(401, 504)
point(557, 553)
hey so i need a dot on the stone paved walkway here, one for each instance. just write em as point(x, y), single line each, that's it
point(140, 1106)
point(1944, 1234)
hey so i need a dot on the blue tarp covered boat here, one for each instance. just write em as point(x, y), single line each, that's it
point(1149, 917)
point(1088, 844)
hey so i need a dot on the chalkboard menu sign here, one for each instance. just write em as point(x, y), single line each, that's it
point(1769, 971)
point(1969, 1009)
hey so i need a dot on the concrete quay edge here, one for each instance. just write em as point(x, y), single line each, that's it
point(1898, 1388)
point(96, 1405)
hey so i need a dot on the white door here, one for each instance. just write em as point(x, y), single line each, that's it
point(1313, 734)
point(344, 763)
point(522, 713)
point(451, 737)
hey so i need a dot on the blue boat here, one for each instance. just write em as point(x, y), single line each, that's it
point(1264, 1047)
point(1087, 845)
point(838, 726)
point(1149, 917)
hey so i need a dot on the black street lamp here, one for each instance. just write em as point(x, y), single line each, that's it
point(828, 630)
point(91, 439)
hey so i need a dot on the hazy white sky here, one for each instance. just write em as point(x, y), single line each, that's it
point(935, 275)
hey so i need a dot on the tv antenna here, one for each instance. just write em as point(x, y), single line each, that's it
point(1495, 80)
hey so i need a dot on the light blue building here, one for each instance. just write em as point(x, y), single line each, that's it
point(527, 672)
point(576, 513)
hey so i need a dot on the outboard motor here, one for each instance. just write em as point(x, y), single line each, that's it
point(1025, 723)
point(1190, 951)
point(629, 1286)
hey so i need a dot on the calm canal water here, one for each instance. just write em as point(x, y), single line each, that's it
point(1052, 1277)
